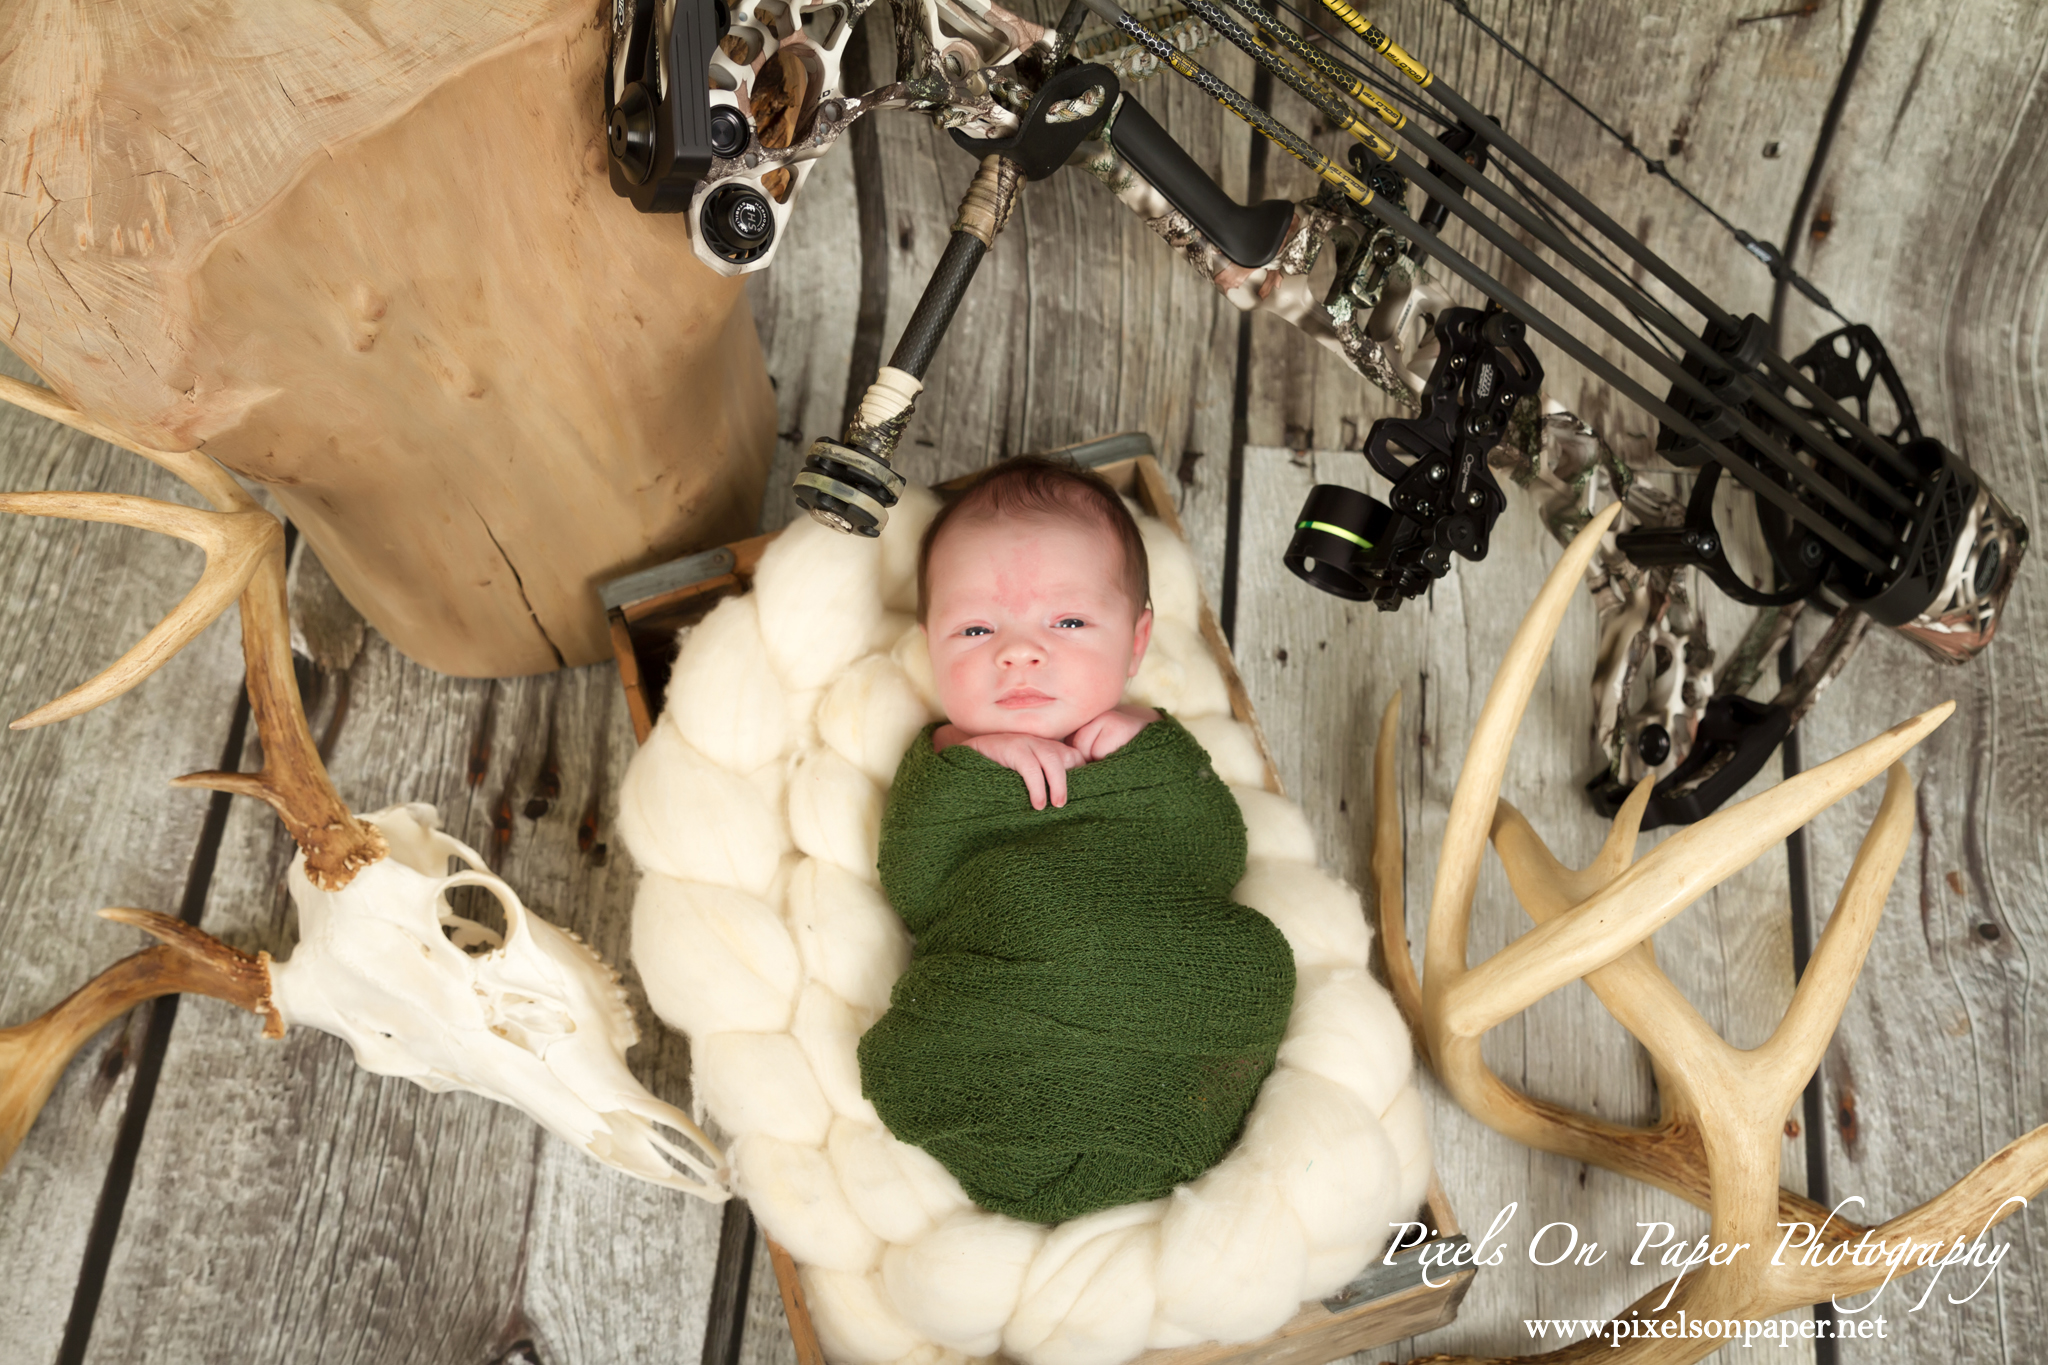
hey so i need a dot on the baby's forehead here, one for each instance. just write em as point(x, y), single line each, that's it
point(993, 530)
point(969, 531)
point(1089, 520)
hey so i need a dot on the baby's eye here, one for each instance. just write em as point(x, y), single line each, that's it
point(1070, 623)
point(977, 630)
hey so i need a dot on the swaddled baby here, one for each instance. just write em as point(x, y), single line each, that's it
point(1087, 1016)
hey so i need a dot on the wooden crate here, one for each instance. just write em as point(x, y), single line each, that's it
point(1390, 1299)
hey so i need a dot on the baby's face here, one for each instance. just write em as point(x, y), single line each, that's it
point(1030, 626)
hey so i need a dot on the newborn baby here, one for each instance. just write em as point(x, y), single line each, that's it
point(1034, 609)
point(1087, 1015)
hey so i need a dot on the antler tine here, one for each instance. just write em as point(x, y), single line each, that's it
point(244, 558)
point(1546, 887)
point(1630, 985)
point(1723, 1106)
point(1795, 1046)
point(294, 779)
point(1653, 891)
point(1595, 923)
point(196, 468)
point(1464, 839)
point(34, 1055)
point(1670, 1154)
point(1620, 849)
point(235, 544)
point(1389, 877)
point(1980, 1200)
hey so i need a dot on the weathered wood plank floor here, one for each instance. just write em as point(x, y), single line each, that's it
point(195, 1194)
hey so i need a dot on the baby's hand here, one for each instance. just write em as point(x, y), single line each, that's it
point(1111, 730)
point(1042, 763)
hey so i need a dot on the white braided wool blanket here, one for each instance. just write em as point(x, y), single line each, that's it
point(760, 931)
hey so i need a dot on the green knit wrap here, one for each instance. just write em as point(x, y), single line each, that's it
point(1087, 1016)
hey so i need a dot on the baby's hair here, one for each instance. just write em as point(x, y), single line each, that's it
point(1043, 486)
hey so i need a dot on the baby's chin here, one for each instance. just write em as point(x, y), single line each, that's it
point(1046, 722)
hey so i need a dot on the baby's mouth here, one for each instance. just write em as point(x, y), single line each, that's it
point(1024, 697)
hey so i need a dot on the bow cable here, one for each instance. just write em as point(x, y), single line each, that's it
point(1766, 252)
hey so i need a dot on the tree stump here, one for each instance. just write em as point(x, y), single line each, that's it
point(365, 254)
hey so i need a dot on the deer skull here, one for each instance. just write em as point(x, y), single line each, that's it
point(534, 1019)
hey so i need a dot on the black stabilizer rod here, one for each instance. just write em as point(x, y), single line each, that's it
point(936, 306)
point(1760, 440)
point(1576, 202)
point(1799, 423)
point(849, 484)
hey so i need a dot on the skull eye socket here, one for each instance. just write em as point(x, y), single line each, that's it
point(473, 919)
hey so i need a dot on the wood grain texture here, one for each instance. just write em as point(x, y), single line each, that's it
point(766, 1338)
point(133, 140)
point(1938, 1062)
point(90, 823)
point(384, 1223)
point(462, 387)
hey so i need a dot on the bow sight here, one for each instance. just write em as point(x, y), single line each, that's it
point(1445, 499)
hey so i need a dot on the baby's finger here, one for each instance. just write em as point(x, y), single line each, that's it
point(1085, 740)
point(1034, 780)
point(1056, 781)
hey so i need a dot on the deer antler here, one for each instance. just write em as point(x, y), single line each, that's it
point(244, 560)
point(34, 1055)
point(235, 544)
point(429, 1009)
point(1717, 1140)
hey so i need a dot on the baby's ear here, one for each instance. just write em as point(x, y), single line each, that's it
point(1140, 638)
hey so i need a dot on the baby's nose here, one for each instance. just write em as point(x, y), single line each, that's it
point(1024, 648)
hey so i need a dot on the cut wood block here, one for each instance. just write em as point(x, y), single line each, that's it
point(368, 257)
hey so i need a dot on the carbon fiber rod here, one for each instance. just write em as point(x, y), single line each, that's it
point(1342, 81)
point(1377, 39)
point(1800, 423)
point(1743, 471)
point(1758, 438)
point(1330, 102)
point(1627, 291)
point(1670, 369)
